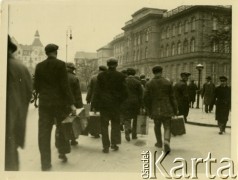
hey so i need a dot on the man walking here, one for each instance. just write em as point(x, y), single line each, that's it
point(192, 88)
point(76, 92)
point(223, 103)
point(131, 106)
point(161, 105)
point(208, 91)
point(111, 92)
point(182, 96)
point(55, 104)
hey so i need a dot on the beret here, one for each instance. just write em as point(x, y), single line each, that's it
point(51, 48)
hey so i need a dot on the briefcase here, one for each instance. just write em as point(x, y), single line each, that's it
point(142, 125)
point(94, 123)
point(178, 125)
point(66, 126)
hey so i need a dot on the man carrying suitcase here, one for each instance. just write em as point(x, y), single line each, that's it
point(161, 105)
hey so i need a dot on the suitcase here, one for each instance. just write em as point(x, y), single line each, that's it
point(79, 126)
point(142, 125)
point(87, 108)
point(178, 125)
point(94, 123)
point(66, 126)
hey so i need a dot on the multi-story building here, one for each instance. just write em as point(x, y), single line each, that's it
point(178, 40)
point(30, 55)
point(104, 53)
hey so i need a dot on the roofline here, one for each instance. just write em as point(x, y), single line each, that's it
point(146, 8)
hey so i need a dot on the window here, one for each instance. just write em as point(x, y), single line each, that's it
point(163, 34)
point(134, 56)
point(192, 45)
point(167, 32)
point(162, 51)
point(173, 49)
point(214, 46)
point(185, 46)
point(214, 24)
point(167, 50)
point(173, 30)
point(179, 48)
point(139, 39)
point(146, 52)
point(180, 28)
point(138, 55)
point(147, 35)
point(226, 47)
point(186, 26)
point(193, 22)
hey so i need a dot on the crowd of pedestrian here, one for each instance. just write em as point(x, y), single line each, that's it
point(119, 97)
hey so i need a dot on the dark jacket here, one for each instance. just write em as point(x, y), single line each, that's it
point(131, 106)
point(159, 98)
point(19, 91)
point(207, 93)
point(192, 88)
point(75, 89)
point(90, 98)
point(51, 82)
point(223, 102)
point(111, 90)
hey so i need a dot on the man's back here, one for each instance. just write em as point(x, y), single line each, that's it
point(51, 82)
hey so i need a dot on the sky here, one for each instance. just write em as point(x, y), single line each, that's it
point(94, 23)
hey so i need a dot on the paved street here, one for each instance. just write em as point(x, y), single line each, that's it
point(88, 156)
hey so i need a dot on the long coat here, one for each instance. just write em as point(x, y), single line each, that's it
point(182, 97)
point(192, 88)
point(207, 93)
point(159, 98)
point(51, 82)
point(90, 98)
point(131, 106)
point(19, 91)
point(75, 89)
point(110, 91)
point(223, 103)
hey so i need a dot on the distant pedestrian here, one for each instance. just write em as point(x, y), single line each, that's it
point(111, 92)
point(56, 102)
point(76, 92)
point(19, 91)
point(143, 80)
point(182, 96)
point(207, 93)
point(223, 103)
point(192, 89)
point(90, 98)
point(132, 105)
point(161, 105)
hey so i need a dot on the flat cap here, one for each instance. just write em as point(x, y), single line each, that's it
point(112, 61)
point(102, 68)
point(142, 76)
point(157, 69)
point(208, 77)
point(51, 48)
point(224, 78)
point(185, 74)
point(131, 71)
point(70, 65)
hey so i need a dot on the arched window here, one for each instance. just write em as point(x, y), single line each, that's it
point(192, 45)
point(173, 30)
point(215, 46)
point(180, 28)
point(167, 32)
point(186, 24)
point(226, 47)
point(147, 35)
point(163, 34)
point(185, 46)
point(167, 50)
point(214, 23)
point(179, 47)
point(173, 49)
point(193, 23)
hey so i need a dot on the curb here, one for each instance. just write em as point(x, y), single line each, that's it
point(203, 124)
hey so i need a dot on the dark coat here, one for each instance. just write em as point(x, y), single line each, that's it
point(192, 88)
point(182, 97)
point(19, 91)
point(51, 82)
point(223, 103)
point(131, 106)
point(75, 89)
point(111, 90)
point(159, 98)
point(207, 93)
point(90, 98)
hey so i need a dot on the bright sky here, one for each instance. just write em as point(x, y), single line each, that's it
point(94, 23)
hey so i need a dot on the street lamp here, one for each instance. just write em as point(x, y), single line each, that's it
point(199, 67)
point(68, 36)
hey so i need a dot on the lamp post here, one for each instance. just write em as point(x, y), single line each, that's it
point(199, 67)
point(68, 36)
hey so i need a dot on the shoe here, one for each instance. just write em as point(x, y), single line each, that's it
point(158, 145)
point(167, 148)
point(96, 136)
point(134, 137)
point(220, 132)
point(115, 147)
point(74, 143)
point(63, 157)
point(46, 168)
point(105, 150)
point(127, 136)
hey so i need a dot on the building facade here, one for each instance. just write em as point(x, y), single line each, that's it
point(30, 55)
point(178, 40)
point(104, 53)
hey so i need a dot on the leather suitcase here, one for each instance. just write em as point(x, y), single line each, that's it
point(94, 123)
point(178, 125)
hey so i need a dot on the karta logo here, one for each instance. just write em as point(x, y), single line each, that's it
point(151, 164)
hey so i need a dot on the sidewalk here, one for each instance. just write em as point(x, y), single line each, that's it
point(199, 117)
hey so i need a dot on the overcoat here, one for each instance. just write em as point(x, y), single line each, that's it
point(207, 93)
point(222, 102)
point(192, 88)
point(90, 98)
